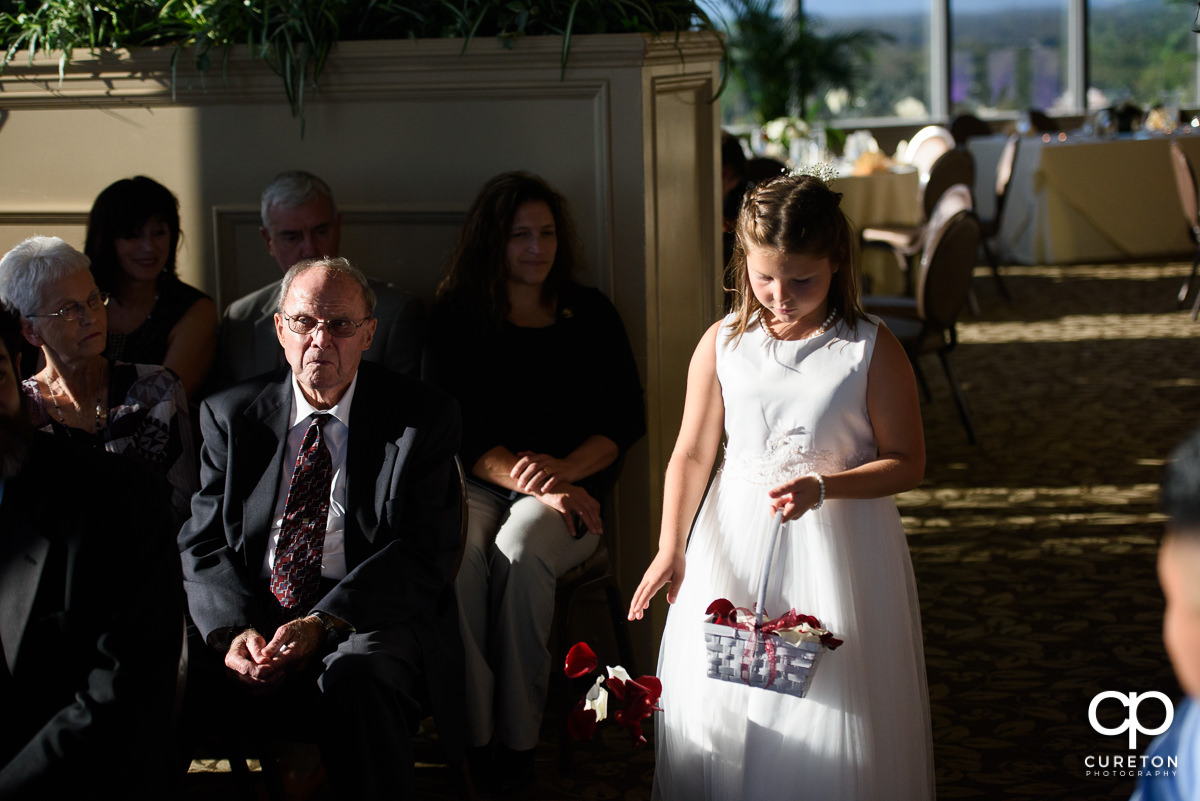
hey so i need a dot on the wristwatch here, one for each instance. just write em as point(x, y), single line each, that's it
point(334, 633)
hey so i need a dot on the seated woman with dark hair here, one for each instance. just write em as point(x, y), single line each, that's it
point(154, 318)
point(135, 409)
point(550, 400)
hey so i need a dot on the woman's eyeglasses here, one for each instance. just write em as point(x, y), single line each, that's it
point(73, 310)
point(341, 327)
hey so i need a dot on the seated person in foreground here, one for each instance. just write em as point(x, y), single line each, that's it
point(300, 221)
point(551, 400)
point(138, 410)
point(132, 238)
point(93, 615)
point(319, 558)
point(1179, 574)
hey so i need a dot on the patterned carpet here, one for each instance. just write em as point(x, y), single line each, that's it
point(1034, 550)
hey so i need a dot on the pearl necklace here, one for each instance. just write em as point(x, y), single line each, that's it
point(100, 413)
point(820, 329)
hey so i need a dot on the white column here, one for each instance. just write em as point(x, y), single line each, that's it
point(939, 60)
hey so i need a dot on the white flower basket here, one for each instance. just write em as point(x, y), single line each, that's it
point(761, 658)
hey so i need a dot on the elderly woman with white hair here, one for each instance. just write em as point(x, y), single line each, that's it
point(139, 410)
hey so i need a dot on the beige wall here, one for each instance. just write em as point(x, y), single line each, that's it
point(406, 132)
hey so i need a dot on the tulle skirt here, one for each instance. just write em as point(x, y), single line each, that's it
point(863, 730)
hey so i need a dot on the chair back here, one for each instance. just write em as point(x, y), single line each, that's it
point(953, 167)
point(966, 126)
point(955, 199)
point(947, 268)
point(926, 146)
point(1185, 182)
point(464, 518)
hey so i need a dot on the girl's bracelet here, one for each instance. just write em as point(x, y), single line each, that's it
point(821, 498)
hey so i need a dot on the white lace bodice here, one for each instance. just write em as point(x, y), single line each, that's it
point(793, 408)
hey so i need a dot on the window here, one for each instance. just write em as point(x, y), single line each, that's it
point(1006, 58)
point(895, 82)
point(1143, 52)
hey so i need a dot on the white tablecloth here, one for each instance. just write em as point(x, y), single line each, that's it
point(882, 198)
point(1087, 200)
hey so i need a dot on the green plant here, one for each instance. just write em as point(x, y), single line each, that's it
point(295, 37)
point(782, 62)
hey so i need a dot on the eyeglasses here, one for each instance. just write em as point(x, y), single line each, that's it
point(73, 310)
point(341, 327)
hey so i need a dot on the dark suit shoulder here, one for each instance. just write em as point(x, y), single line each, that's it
point(253, 305)
point(242, 395)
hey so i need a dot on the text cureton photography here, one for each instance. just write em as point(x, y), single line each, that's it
point(1130, 765)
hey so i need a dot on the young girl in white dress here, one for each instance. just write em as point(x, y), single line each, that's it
point(818, 405)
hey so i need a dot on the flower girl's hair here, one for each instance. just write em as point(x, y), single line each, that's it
point(796, 214)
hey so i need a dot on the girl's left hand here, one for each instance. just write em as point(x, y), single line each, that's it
point(795, 497)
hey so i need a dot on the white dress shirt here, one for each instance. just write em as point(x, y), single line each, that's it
point(337, 437)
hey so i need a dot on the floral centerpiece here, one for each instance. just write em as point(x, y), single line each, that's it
point(782, 137)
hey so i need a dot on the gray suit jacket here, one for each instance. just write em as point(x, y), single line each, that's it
point(247, 345)
point(403, 510)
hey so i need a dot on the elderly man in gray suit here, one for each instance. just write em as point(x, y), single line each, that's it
point(300, 221)
point(320, 557)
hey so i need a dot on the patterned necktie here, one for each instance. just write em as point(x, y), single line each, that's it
point(296, 575)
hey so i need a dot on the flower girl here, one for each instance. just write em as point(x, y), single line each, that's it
point(819, 408)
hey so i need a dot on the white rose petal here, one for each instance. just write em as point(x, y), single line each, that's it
point(597, 699)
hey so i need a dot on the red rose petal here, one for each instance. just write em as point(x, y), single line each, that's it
point(581, 725)
point(580, 660)
point(722, 608)
point(651, 686)
point(633, 724)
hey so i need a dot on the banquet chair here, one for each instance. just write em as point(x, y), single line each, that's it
point(926, 147)
point(927, 322)
point(1185, 182)
point(954, 169)
point(990, 229)
point(967, 126)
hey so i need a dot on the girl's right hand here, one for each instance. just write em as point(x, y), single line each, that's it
point(667, 567)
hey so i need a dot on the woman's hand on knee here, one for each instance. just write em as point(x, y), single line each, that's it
point(539, 472)
point(573, 503)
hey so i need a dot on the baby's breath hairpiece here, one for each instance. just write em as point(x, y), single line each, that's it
point(821, 170)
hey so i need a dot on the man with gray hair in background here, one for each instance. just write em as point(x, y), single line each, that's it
point(300, 221)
